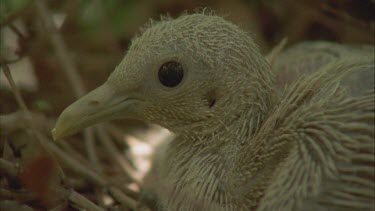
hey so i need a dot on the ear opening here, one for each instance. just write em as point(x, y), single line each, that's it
point(212, 103)
point(211, 98)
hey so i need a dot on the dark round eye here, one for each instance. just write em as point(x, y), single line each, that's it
point(171, 73)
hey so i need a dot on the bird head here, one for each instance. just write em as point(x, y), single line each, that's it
point(185, 73)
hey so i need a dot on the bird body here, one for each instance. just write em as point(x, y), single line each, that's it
point(240, 144)
point(306, 156)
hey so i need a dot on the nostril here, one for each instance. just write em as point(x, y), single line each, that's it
point(93, 102)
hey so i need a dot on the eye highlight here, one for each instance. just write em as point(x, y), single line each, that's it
point(170, 74)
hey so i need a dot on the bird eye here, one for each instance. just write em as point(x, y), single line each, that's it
point(171, 73)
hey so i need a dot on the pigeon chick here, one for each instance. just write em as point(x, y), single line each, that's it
point(238, 145)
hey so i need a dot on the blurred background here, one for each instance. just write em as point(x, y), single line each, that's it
point(57, 50)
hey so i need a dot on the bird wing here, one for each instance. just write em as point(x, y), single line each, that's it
point(316, 149)
point(304, 58)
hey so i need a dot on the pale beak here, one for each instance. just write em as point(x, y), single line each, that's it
point(101, 104)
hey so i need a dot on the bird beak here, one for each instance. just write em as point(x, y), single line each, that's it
point(101, 104)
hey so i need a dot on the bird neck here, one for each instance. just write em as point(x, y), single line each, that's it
point(235, 126)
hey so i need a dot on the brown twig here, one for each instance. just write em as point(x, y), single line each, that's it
point(118, 137)
point(21, 196)
point(54, 150)
point(88, 135)
point(70, 71)
point(16, 91)
point(8, 168)
point(123, 198)
point(41, 140)
point(77, 166)
point(74, 154)
point(116, 156)
point(77, 183)
point(83, 202)
point(116, 132)
point(78, 88)
point(17, 31)
point(60, 207)
point(345, 16)
point(61, 50)
point(91, 149)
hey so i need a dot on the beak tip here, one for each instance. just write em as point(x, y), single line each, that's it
point(55, 135)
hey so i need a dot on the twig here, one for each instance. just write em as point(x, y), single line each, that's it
point(88, 135)
point(8, 168)
point(83, 202)
point(70, 71)
point(49, 146)
point(91, 149)
point(131, 193)
point(15, 90)
point(79, 157)
point(116, 132)
point(17, 31)
point(17, 120)
point(122, 198)
point(41, 139)
point(74, 154)
point(346, 17)
point(77, 166)
point(12, 122)
point(21, 196)
point(59, 207)
point(60, 49)
point(72, 74)
point(77, 183)
point(115, 155)
point(118, 137)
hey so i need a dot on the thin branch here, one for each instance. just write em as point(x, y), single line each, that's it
point(91, 149)
point(116, 156)
point(16, 91)
point(118, 137)
point(74, 154)
point(60, 207)
point(131, 193)
point(20, 195)
point(77, 183)
point(83, 170)
point(77, 166)
point(12, 122)
point(122, 198)
point(17, 31)
point(116, 132)
point(71, 73)
point(83, 202)
point(8, 168)
point(345, 16)
point(68, 160)
point(61, 50)
point(90, 146)
point(42, 141)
